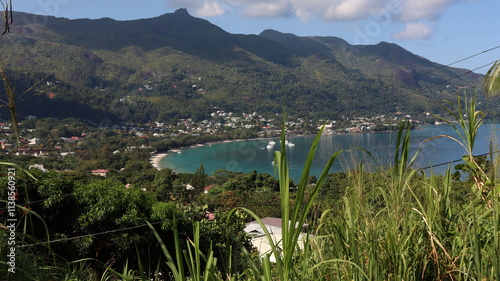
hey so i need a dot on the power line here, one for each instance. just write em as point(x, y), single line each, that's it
point(416, 76)
point(442, 66)
point(139, 226)
point(264, 203)
point(406, 94)
point(189, 217)
point(169, 194)
point(448, 80)
point(450, 162)
point(104, 232)
point(58, 197)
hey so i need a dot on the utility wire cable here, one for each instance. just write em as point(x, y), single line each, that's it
point(420, 90)
point(173, 193)
point(140, 226)
point(411, 93)
point(441, 67)
point(107, 231)
point(448, 80)
point(406, 94)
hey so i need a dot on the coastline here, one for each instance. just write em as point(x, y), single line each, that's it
point(156, 157)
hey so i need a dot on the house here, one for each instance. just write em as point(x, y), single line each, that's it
point(206, 189)
point(32, 152)
point(4, 144)
point(100, 172)
point(261, 242)
point(34, 141)
point(39, 167)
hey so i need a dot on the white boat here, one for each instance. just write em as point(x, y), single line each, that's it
point(290, 144)
point(269, 146)
point(272, 142)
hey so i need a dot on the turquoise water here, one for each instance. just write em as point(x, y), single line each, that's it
point(246, 156)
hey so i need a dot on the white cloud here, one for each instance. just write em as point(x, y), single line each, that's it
point(414, 31)
point(209, 9)
point(267, 9)
point(424, 9)
point(344, 10)
point(188, 4)
point(351, 9)
point(328, 10)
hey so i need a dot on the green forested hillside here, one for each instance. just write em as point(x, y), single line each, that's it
point(176, 66)
point(103, 212)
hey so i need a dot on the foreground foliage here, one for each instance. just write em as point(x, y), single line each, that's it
point(396, 224)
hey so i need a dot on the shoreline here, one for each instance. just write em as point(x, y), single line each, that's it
point(156, 158)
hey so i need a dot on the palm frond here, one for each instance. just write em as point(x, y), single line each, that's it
point(491, 82)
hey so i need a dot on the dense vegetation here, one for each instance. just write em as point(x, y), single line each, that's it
point(177, 66)
point(395, 224)
point(140, 223)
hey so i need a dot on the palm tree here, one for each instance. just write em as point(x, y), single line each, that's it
point(491, 82)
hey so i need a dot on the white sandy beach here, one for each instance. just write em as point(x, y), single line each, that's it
point(156, 158)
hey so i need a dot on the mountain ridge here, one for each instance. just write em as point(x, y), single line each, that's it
point(160, 64)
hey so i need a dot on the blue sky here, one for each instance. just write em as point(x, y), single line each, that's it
point(443, 31)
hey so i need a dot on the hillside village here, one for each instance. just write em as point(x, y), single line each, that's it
point(86, 198)
point(253, 124)
point(37, 141)
point(32, 144)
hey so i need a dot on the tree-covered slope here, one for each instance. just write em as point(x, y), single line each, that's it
point(176, 66)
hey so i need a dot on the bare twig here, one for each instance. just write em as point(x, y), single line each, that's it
point(8, 16)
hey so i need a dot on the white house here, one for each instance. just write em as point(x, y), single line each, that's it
point(39, 167)
point(34, 141)
point(261, 242)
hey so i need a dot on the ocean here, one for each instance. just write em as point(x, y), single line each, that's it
point(249, 155)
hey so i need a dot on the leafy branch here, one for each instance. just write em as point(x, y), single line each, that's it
point(12, 100)
point(491, 82)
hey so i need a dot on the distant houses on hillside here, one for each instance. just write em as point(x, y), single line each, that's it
point(33, 152)
point(100, 172)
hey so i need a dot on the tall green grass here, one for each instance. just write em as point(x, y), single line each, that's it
point(397, 224)
point(392, 225)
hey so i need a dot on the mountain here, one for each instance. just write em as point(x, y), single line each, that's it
point(178, 66)
point(384, 60)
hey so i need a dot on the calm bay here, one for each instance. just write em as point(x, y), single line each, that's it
point(249, 155)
